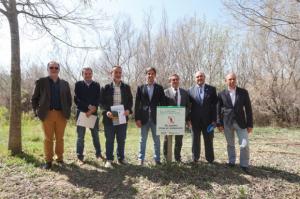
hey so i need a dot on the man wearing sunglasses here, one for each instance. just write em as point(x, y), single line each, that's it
point(51, 102)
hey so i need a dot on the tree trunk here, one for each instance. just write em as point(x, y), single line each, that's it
point(14, 142)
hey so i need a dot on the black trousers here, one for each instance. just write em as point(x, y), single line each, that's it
point(208, 143)
point(177, 148)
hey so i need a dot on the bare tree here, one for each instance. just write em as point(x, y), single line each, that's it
point(272, 15)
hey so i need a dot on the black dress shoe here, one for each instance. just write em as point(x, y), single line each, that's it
point(60, 162)
point(47, 165)
point(231, 165)
point(246, 170)
point(157, 163)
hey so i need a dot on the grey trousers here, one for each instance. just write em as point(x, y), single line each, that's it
point(243, 142)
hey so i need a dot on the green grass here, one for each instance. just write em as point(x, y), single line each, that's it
point(275, 160)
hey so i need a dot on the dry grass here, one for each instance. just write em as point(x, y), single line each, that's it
point(275, 160)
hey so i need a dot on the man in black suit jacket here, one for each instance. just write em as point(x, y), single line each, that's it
point(203, 98)
point(235, 113)
point(148, 97)
point(115, 93)
point(176, 96)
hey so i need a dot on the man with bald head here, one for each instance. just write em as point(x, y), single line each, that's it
point(51, 102)
point(235, 114)
point(203, 99)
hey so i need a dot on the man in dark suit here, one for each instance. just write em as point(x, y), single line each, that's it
point(148, 97)
point(203, 98)
point(112, 94)
point(176, 96)
point(235, 114)
point(87, 98)
point(51, 102)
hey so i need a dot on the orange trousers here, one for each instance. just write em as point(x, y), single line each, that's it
point(54, 127)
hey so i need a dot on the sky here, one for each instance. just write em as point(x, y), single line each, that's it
point(211, 10)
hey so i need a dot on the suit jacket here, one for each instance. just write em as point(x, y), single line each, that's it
point(41, 98)
point(206, 112)
point(106, 99)
point(241, 112)
point(185, 100)
point(143, 103)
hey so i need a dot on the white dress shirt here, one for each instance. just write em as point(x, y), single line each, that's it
point(232, 93)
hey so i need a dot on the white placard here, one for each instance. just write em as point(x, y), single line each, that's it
point(84, 121)
point(170, 120)
point(120, 118)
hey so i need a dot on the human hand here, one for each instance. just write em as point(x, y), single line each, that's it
point(249, 130)
point(109, 114)
point(138, 123)
point(126, 113)
point(221, 128)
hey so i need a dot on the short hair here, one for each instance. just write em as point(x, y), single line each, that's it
point(116, 66)
point(174, 75)
point(149, 69)
point(53, 62)
point(86, 68)
point(231, 73)
point(201, 72)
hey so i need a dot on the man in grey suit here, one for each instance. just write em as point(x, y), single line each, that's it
point(176, 96)
point(235, 114)
point(203, 98)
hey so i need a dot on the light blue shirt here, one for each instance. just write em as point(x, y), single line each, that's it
point(150, 88)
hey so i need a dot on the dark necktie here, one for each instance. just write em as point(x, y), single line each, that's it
point(176, 96)
point(200, 93)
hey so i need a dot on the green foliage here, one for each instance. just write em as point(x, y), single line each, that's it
point(4, 116)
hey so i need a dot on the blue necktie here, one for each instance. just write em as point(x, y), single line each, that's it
point(199, 96)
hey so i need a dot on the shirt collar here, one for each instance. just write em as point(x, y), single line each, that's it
point(88, 82)
point(231, 90)
point(173, 89)
point(116, 85)
point(52, 81)
point(202, 86)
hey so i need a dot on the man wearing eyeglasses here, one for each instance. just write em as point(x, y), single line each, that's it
point(51, 102)
point(176, 96)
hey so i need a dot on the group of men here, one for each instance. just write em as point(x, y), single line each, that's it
point(230, 111)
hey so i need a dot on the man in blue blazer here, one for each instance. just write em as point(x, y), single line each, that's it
point(203, 99)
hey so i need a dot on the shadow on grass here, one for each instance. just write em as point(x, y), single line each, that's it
point(121, 181)
point(30, 159)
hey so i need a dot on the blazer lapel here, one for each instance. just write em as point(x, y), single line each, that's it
point(145, 91)
point(154, 91)
point(228, 97)
point(182, 97)
point(236, 95)
point(206, 91)
point(47, 87)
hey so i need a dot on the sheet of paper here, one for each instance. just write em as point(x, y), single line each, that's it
point(118, 114)
point(84, 121)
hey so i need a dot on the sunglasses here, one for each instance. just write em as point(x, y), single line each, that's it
point(51, 68)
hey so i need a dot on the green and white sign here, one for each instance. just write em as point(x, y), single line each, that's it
point(170, 120)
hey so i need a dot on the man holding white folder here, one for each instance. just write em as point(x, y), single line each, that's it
point(87, 98)
point(116, 103)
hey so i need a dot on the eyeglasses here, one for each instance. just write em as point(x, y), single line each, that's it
point(51, 68)
point(173, 80)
